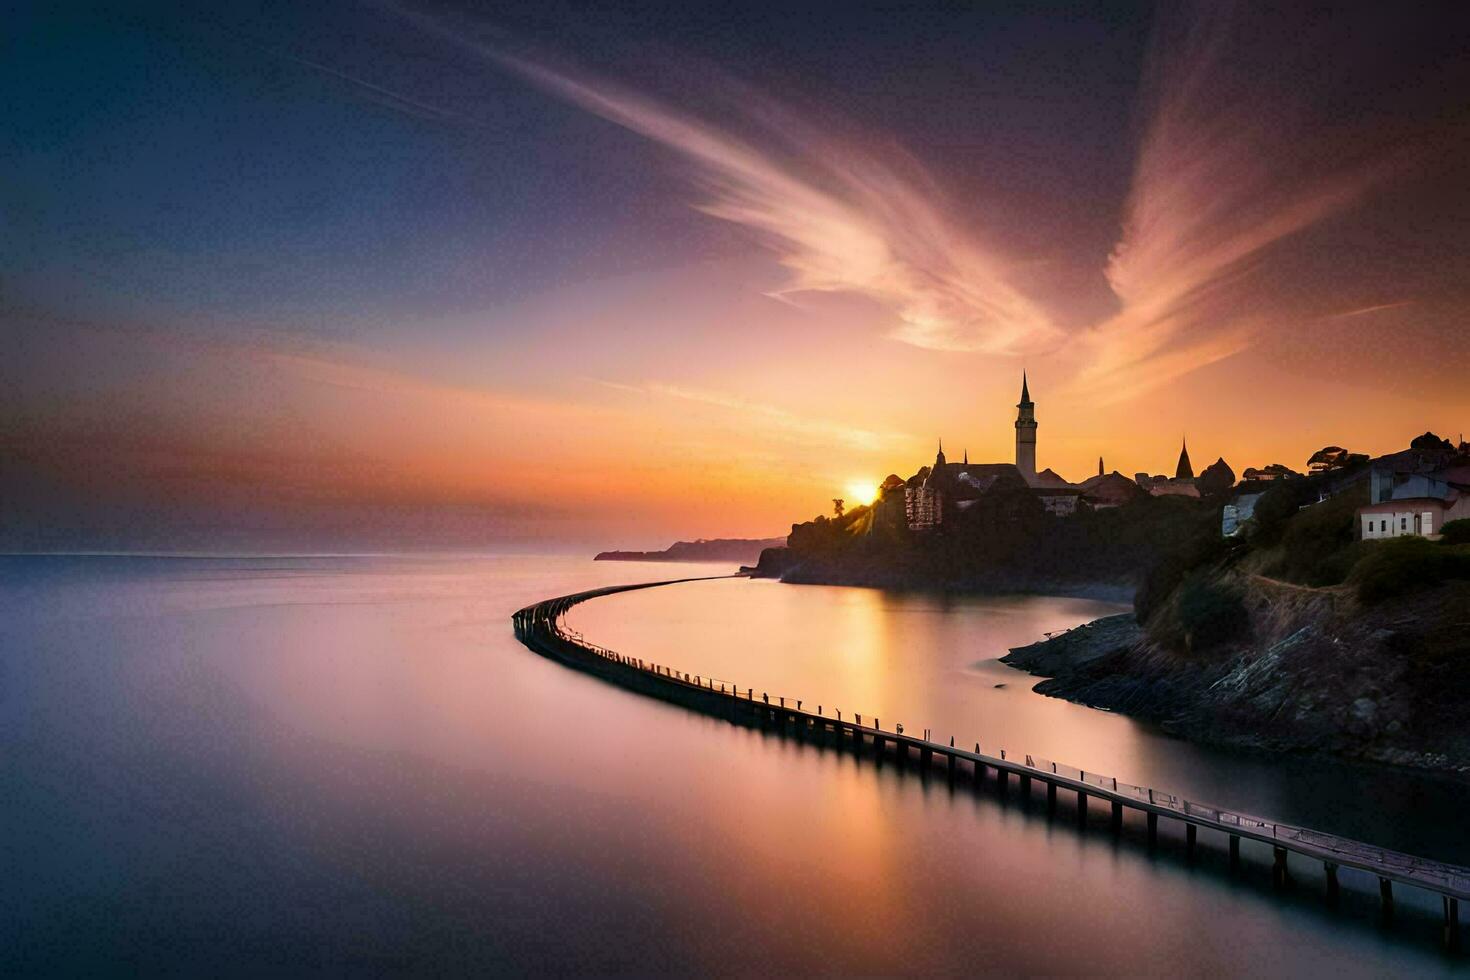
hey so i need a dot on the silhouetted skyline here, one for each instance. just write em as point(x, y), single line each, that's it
point(363, 275)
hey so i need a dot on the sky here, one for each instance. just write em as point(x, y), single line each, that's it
point(382, 276)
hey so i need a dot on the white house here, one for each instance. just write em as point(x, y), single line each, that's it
point(1413, 504)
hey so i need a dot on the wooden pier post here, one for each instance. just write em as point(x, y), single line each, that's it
point(1451, 922)
point(951, 766)
point(1081, 808)
point(1234, 851)
point(1333, 889)
point(926, 758)
point(1025, 780)
point(1051, 799)
point(1385, 897)
point(1279, 874)
point(1117, 818)
point(1191, 831)
point(1153, 829)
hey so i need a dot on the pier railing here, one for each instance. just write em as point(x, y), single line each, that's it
point(542, 627)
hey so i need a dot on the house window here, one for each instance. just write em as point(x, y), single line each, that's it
point(1403, 523)
point(1383, 525)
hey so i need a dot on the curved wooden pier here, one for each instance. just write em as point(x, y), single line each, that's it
point(540, 627)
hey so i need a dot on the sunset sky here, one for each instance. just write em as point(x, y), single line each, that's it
point(361, 276)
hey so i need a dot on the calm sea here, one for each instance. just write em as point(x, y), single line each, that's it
point(348, 765)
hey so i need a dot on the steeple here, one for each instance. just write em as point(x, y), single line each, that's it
point(1184, 471)
point(939, 459)
point(1099, 466)
point(967, 457)
point(1026, 433)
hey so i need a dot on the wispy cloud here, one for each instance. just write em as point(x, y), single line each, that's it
point(807, 430)
point(1227, 167)
point(374, 92)
point(1365, 310)
point(1225, 170)
point(838, 217)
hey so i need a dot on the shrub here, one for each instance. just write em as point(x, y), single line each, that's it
point(1275, 508)
point(1392, 568)
point(1456, 532)
point(1210, 612)
point(1317, 540)
point(1183, 554)
point(1338, 566)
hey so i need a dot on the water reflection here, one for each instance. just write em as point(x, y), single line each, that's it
point(336, 765)
point(931, 661)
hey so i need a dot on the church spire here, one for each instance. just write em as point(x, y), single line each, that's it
point(967, 456)
point(939, 459)
point(1099, 466)
point(1025, 394)
point(1184, 471)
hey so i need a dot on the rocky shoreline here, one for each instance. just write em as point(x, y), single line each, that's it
point(1315, 672)
point(1363, 684)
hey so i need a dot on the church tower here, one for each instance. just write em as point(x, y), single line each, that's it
point(1184, 471)
point(1026, 434)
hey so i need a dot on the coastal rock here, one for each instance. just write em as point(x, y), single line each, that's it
point(1085, 644)
point(1320, 674)
point(774, 562)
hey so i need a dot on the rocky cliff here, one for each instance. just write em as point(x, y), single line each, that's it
point(1315, 670)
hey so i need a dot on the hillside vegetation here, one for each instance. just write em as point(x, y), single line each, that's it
point(1006, 542)
point(1295, 637)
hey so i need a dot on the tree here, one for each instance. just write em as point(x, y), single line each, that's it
point(837, 506)
point(1456, 532)
point(1330, 458)
point(1216, 479)
point(1275, 508)
point(1431, 443)
point(1210, 612)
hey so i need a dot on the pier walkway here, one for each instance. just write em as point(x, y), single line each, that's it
point(541, 627)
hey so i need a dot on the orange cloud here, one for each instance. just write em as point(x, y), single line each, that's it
point(773, 420)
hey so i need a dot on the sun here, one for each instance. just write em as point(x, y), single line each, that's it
point(861, 492)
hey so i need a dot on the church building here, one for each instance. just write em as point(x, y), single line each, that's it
point(938, 492)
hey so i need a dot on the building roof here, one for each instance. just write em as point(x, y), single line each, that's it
point(1409, 504)
point(1418, 486)
point(1274, 471)
point(965, 479)
point(1112, 486)
point(1458, 476)
point(1051, 478)
point(1174, 488)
